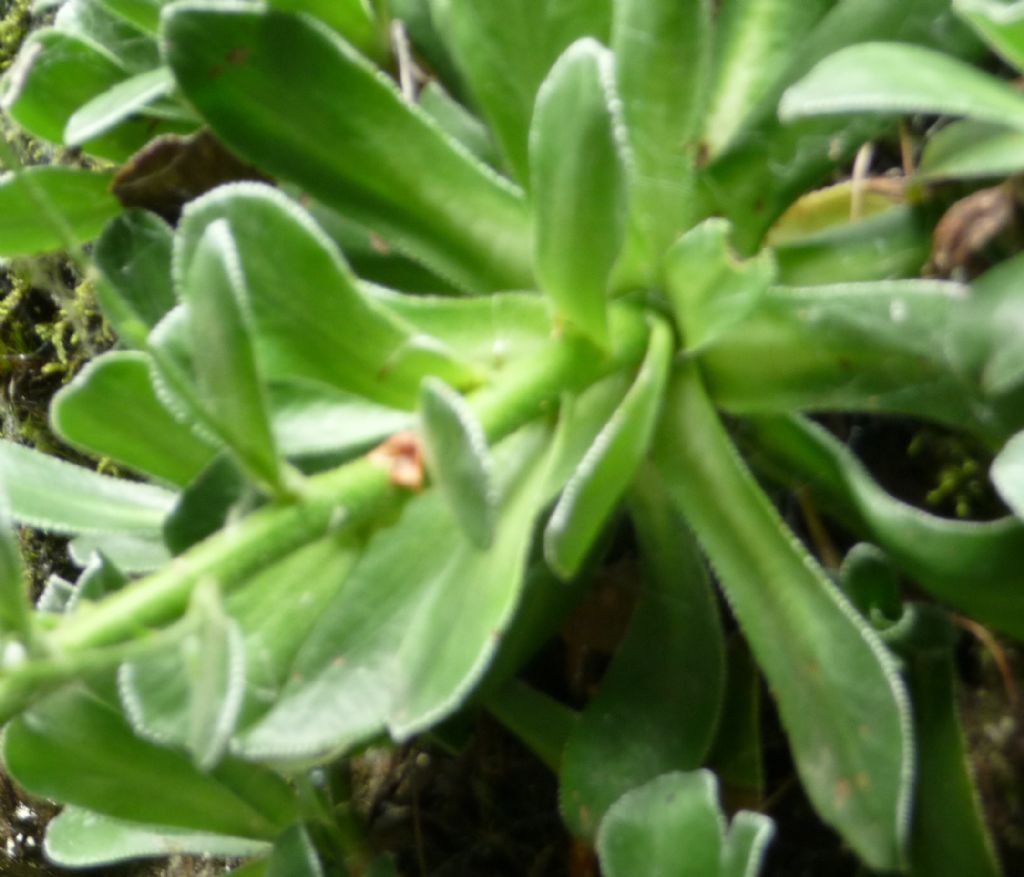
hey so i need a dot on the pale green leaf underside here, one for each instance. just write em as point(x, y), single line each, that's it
point(109, 109)
point(80, 838)
point(45, 492)
point(901, 79)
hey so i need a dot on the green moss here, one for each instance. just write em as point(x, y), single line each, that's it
point(13, 27)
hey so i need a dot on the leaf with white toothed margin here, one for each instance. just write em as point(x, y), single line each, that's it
point(312, 319)
point(709, 288)
point(15, 608)
point(673, 826)
point(842, 703)
point(221, 335)
point(662, 61)
point(382, 653)
point(294, 855)
point(503, 50)
point(48, 493)
point(111, 409)
point(458, 460)
point(79, 199)
point(76, 748)
point(578, 173)
point(135, 290)
point(608, 466)
point(1007, 474)
point(658, 703)
point(189, 694)
point(109, 109)
point(895, 78)
point(284, 76)
point(1000, 24)
point(80, 838)
point(746, 844)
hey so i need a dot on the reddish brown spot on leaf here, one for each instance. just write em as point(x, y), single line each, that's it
point(238, 55)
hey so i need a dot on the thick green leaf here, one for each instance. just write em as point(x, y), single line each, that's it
point(58, 71)
point(294, 855)
point(936, 553)
point(45, 492)
point(709, 288)
point(736, 756)
point(314, 420)
point(459, 460)
point(80, 838)
point(458, 122)
point(840, 698)
point(214, 659)
point(886, 346)
point(658, 704)
point(134, 257)
point(109, 109)
point(1000, 23)
point(505, 50)
point(159, 691)
point(1008, 474)
point(355, 20)
point(222, 344)
point(383, 653)
point(948, 836)
point(493, 332)
point(985, 342)
point(805, 155)
point(99, 578)
point(311, 318)
point(76, 749)
point(52, 208)
point(55, 73)
point(894, 78)
point(669, 827)
point(92, 20)
point(144, 14)
point(755, 41)
point(306, 581)
point(887, 246)
point(578, 180)
point(746, 844)
point(608, 466)
point(662, 61)
point(203, 507)
point(111, 409)
point(969, 150)
point(15, 608)
point(375, 157)
point(130, 552)
point(673, 827)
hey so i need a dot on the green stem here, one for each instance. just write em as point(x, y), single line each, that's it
point(351, 496)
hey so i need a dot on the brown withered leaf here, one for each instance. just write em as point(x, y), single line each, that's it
point(969, 226)
point(172, 170)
